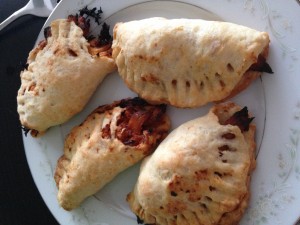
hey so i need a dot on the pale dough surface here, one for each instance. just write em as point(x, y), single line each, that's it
point(60, 78)
point(197, 176)
point(185, 62)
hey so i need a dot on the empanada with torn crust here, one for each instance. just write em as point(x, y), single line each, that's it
point(188, 62)
point(63, 72)
point(200, 173)
point(111, 139)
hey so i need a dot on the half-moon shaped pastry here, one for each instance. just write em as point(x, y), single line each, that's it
point(111, 139)
point(200, 173)
point(62, 74)
point(188, 62)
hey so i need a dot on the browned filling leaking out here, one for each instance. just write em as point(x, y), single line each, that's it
point(105, 50)
point(137, 122)
point(100, 45)
point(81, 22)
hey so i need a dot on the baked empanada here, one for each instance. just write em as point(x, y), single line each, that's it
point(62, 74)
point(200, 173)
point(111, 139)
point(188, 62)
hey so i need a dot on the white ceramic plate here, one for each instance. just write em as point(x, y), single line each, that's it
point(274, 100)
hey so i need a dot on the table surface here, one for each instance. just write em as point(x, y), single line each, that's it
point(20, 201)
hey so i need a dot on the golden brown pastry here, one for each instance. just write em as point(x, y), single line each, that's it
point(188, 62)
point(62, 74)
point(200, 173)
point(111, 139)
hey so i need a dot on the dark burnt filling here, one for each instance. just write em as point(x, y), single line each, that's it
point(100, 45)
point(261, 65)
point(34, 133)
point(140, 221)
point(25, 130)
point(137, 123)
point(241, 119)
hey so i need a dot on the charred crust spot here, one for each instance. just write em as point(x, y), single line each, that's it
point(174, 82)
point(132, 102)
point(224, 161)
point(47, 32)
point(211, 188)
point(139, 220)
point(201, 85)
point(72, 52)
point(208, 198)
point(223, 148)
point(218, 173)
point(229, 67)
point(173, 193)
point(55, 51)
point(222, 84)
point(187, 84)
point(203, 205)
point(228, 136)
